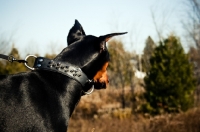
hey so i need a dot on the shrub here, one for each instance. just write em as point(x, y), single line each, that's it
point(170, 81)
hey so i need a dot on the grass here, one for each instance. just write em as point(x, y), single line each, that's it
point(101, 112)
point(184, 122)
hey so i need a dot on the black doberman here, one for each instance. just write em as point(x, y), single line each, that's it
point(43, 100)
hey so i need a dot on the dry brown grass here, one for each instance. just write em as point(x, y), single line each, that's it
point(101, 112)
point(105, 125)
point(184, 122)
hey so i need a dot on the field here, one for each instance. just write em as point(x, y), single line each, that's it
point(184, 122)
point(101, 112)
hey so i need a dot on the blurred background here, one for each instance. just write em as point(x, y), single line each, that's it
point(154, 70)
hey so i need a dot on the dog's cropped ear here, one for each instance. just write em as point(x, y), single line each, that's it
point(108, 36)
point(105, 38)
point(76, 33)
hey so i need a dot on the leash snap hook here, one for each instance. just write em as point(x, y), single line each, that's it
point(28, 56)
point(11, 58)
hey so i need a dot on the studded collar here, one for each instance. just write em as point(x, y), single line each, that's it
point(75, 73)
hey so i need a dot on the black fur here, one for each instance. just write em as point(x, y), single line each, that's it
point(75, 33)
point(43, 101)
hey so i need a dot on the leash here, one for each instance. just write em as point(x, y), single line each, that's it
point(11, 58)
point(42, 63)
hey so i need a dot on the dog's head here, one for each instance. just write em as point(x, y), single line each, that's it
point(89, 53)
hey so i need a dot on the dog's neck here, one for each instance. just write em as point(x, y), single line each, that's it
point(68, 90)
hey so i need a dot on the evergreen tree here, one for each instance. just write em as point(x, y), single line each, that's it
point(147, 52)
point(170, 81)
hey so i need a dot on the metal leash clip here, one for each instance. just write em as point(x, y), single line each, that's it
point(11, 58)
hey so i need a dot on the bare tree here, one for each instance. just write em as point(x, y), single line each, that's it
point(192, 28)
point(192, 23)
point(161, 19)
point(120, 67)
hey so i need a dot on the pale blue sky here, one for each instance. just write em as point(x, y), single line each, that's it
point(42, 25)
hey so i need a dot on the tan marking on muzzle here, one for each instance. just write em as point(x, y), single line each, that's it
point(101, 76)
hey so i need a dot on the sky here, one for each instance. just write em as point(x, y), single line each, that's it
point(41, 26)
